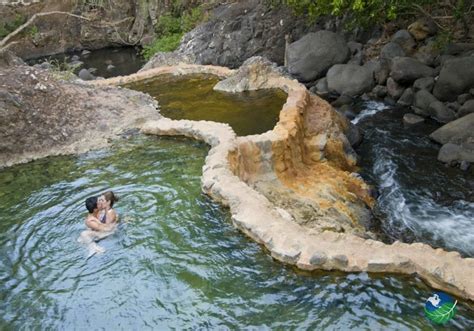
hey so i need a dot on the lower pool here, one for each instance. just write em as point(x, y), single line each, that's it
point(175, 262)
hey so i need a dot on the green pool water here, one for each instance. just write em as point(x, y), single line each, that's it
point(174, 263)
point(193, 98)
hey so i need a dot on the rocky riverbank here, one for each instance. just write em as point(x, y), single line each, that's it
point(408, 67)
point(305, 159)
point(42, 115)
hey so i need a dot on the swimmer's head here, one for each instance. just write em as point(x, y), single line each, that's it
point(110, 197)
point(91, 204)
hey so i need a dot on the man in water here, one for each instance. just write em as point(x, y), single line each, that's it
point(97, 230)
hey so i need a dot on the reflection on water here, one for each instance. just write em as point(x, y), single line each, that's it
point(175, 262)
point(193, 98)
point(105, 62)
point(420, 199)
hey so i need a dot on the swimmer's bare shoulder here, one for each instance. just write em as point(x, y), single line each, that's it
point(111, 217)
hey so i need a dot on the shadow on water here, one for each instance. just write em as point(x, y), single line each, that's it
point(105, 62)
point(175, 262)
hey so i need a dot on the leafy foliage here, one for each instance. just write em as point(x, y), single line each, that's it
point(170, 29)
point(9, 27)
point(358, 12)
point(33, 31)
point(166, 43)
point(442, 314)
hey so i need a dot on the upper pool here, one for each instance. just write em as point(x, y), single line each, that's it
point(192, 97)
point(175, 262)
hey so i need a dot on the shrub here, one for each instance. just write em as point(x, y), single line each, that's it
point(171, 28)
point(9, 27)
point(358, 12)
point(166, 43)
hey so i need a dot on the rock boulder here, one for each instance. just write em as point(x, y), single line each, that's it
point(406, 70)
point(349, 79)
point(456, 132)
point(310, 57)
point(456, 77)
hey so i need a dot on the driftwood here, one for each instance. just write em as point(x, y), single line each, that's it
point(28, 23)
point(5, 41)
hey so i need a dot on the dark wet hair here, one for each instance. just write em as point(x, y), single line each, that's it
point(110, 196)
point(91, 204)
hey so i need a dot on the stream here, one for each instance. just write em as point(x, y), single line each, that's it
point(421, 199)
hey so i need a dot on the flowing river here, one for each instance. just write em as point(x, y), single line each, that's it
point(420, 199)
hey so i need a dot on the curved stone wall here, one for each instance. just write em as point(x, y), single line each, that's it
point(308, 155)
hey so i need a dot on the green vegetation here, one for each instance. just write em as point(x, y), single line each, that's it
point(9, 27)
point(63, 70)
point(170, 29)
point(33, 31)
point(367, 12)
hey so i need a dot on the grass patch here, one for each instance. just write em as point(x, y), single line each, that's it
point(9, 27)
point(170, 29)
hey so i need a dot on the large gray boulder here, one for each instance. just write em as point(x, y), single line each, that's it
point(456, 132)
point(456, 77)
point(310, 57)
point(405, 70)
point(349, 79)
point(423, 100)
point(440, 112)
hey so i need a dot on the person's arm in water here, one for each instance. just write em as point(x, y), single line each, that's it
point(94, 224)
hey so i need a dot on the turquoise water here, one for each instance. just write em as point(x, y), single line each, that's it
point(174, 263)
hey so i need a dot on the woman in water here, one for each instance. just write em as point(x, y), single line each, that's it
point(105, 203)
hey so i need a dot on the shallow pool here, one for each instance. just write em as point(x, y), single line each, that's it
point(192, 97)
point(175, 262)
